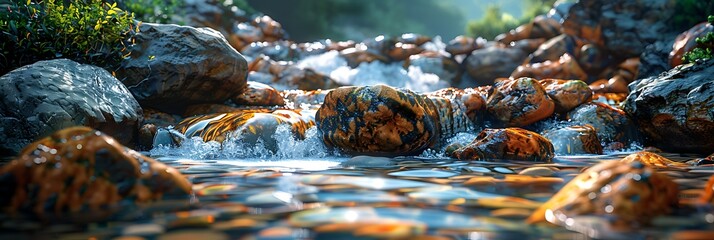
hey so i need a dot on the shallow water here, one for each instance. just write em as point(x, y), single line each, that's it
point(302, 191)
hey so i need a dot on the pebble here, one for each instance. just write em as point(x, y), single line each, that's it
point(537, 172)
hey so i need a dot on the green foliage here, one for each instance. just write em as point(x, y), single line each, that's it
point(493, 23)
point(689, 13)
point(704, 46)
point(309, 20)
point(87, 31)
point(153, 11)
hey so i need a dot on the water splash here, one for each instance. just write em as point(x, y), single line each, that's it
point(463, 138)
point(286, 147)
point(392, 74)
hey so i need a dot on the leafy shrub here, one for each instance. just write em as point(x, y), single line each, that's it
point(86, 31)
point(704, 47)
point(493, 23)
point(153, 11)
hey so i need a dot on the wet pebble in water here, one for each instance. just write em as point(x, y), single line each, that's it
point(424, 174)
point(537, 172)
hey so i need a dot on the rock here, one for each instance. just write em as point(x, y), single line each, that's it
point(47, 96)
point(361, 54)
point(623, 74)
point(272, 29)
point(159, 118)
point(464, 45)
point(708, 196)
point(472, 101)
point(624, 28)
point(611, 124)
point(686, 41)
point(565, 68)
point(401, 51)
point(486, 64)
point(413, 38)
point(537, 172)
point(182, 66)
point(80, 169)
point(540, 27)
point(566, 94)
point(259, 94)
point(629, 195)
point(519, 102)
point(247, 125)
point(209, 13)
point(654, 59)
point(378, 120)
point(554, 48)
point(574, 140)
point(652, 160)
point(206, 109)
point(303, 79)
point(507, 144)
point(674, 110)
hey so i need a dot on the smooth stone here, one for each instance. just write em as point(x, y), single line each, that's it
point(537, 172)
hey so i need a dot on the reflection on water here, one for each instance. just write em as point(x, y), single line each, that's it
point(333, 197)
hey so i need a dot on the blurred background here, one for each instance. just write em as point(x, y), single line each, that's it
point(310, 20)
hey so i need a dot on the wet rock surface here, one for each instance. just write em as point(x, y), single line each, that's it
point(566, 94)
point(47, 96)
point(674, 110)
point(83, 170)
point(507, 144)
point(487, 64)
point(617, 25)
point(611, 124)
point(182, 65)
point(574, 140)
point(631, 192)
point(519, 102)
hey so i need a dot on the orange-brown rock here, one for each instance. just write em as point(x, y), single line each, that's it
point(686, 41)
point(378, 120)
point(566, 94)
point(519, 102)
point(507, 144)
point(574, 140)
point(540, 27)
point(630, 194)
point(413, 38)
point(401, 51)
point(259, 94)
point(80, 169)
point(708, 196)
point(249, 125)
point(565, 68)
point(623, 75)
point(464, 45)
point(360, 54)
point(653, 160)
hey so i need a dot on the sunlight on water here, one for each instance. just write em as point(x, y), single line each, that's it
point(392, 74)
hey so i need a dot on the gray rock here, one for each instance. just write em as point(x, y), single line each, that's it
point(47, 96)
point(487, 64)
point(173, 66)
point(655, 59)
point(675, 110)
point(627, 26)
point(612, 124)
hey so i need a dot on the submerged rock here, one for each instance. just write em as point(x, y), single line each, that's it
point(519, 102)
point(611, 124)
point(248, 126)
point(82, 170)
point(507, 144)
point(47, 96)
point(628, 194)
point(171, 67)
point(574, 140)
point(652, 159)
point(674, 110)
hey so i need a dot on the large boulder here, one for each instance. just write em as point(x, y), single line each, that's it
point(623, 27)
point(47, 96)
point(674, 110)
point(79, 169)
point(171, 67)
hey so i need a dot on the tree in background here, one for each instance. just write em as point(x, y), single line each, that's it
point(495, 22)
point(309, 20)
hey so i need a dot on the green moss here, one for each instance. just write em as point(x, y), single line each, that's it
point(704, 46)
point(86, 31)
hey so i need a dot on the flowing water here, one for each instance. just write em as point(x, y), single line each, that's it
point(304, 190)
